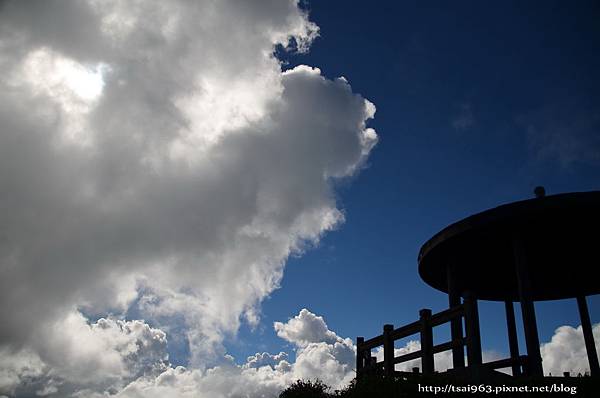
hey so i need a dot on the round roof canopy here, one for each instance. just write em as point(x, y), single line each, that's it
point(559, 237)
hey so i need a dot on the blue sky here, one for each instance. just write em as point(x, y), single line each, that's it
point(469, 97)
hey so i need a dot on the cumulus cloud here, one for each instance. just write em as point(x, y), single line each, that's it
point(156, 159)
point(566, 352)
point(259, 360)
point(219, 382)
point(264, 374)
point(305, 328)
point(321, 353)
point(155, 153)
point(129, 359)
point(18, 368)
point(105, 354)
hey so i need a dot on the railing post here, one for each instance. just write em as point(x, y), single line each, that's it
point(360, 364)
point(388, 350)
point(473, 336)
point(369, 361)
point(426, 341)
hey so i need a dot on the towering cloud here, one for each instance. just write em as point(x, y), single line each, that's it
point(156, 160)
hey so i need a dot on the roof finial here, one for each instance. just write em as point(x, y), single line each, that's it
point(539, 191)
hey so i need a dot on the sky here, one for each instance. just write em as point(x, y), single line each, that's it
point(213, 199)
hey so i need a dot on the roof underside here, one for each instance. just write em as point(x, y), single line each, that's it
point(559, 235)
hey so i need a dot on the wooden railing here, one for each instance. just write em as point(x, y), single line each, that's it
point(366, 363)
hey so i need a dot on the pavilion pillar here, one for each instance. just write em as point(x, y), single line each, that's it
point(588, 336)
point(513, 342)
point(473, 335)
point(456, 330)
point(532, 340)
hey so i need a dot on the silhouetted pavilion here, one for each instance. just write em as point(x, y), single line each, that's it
point(545, 248)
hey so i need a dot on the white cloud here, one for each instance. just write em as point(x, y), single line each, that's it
point(140, 366)
point(331, 363)
point(156, 153)
point(565, 352)
point(103, 354)
point(305, 328)
point(263, 375)
point(219, 382)
point(18, 368)
point(106, 349)
point(321, 353)
point(129, 359)
point(265, 359)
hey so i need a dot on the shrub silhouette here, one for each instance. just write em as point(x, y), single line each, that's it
point(306, 389)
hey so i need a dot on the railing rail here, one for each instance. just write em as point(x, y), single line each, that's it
point(447, 315)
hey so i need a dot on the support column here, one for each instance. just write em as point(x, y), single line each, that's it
point(456, 330)
point(588, 336)
point(513, 342)
point(532, 340)
point(473, 335)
